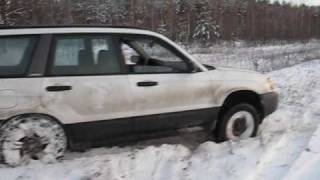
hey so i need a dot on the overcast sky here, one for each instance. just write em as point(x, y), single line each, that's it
point(308, 2)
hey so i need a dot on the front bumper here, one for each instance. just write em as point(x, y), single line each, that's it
point(270, 102)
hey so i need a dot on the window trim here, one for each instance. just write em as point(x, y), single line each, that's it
point(31, 59)
point(38, 65)
point(122, 37)
point(53, 46)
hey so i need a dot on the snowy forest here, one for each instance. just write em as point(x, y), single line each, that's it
point(185, 21)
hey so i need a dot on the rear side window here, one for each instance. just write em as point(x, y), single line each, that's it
point(15, 55)
point(84, 55)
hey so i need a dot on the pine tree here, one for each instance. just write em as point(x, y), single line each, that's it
point(15, 12)
point(104, 12)
point(121, 12)
point(3, 12)
point(85, 11)
point(163, 27)
point(242, 15)
point(206, 29)
point(181, 10)
point(63, 12)
point(316, 15)
point(140, 19)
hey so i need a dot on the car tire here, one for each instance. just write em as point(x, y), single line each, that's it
point(32, 137)
point(238, 122)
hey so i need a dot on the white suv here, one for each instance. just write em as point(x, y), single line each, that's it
point(60, 86)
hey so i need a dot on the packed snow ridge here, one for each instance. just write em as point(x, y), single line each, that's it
point(288, 147)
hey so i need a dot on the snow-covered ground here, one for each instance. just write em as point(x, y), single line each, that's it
point(288, 146)
point(263, 58)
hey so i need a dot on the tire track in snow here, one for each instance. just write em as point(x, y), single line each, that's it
point(307, 165)
point(280, 155)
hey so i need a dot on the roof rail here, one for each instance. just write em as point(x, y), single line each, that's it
point(64, 26)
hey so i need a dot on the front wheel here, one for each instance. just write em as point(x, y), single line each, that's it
point(239, 122)
point(32, 137)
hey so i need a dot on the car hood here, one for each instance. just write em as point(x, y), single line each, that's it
point(234, 74)
point(233, 78)
point(236, 70)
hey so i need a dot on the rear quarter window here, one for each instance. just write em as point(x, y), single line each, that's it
point(15, 55)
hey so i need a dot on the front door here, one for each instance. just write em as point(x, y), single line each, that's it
point(166, 91)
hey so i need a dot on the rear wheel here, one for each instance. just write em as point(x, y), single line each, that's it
point(32, 137)
point(239, 122)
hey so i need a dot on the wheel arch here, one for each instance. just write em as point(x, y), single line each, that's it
point(39, 114)
point(242, 96)
point(34, 114)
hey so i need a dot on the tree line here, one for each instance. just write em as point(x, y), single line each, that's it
point(185, 21)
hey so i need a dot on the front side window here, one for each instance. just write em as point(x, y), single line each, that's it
point(15, 55)
point(84, 55)
point(148, 55)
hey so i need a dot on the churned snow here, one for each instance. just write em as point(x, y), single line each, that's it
point(288, 146)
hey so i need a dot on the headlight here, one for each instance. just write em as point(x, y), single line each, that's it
point(270, 84)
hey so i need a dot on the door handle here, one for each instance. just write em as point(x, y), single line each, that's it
point(147, 84)
point(58, 88)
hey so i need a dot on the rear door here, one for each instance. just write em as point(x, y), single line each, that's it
point(166, 92)
point(18, 94)
point(85, 86)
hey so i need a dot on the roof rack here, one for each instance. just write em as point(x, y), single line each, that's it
point(65, 26)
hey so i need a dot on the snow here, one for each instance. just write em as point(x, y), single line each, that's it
point(263, 58)
point(288, 146)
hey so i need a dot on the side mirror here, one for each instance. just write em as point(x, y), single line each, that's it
point(192, 67)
